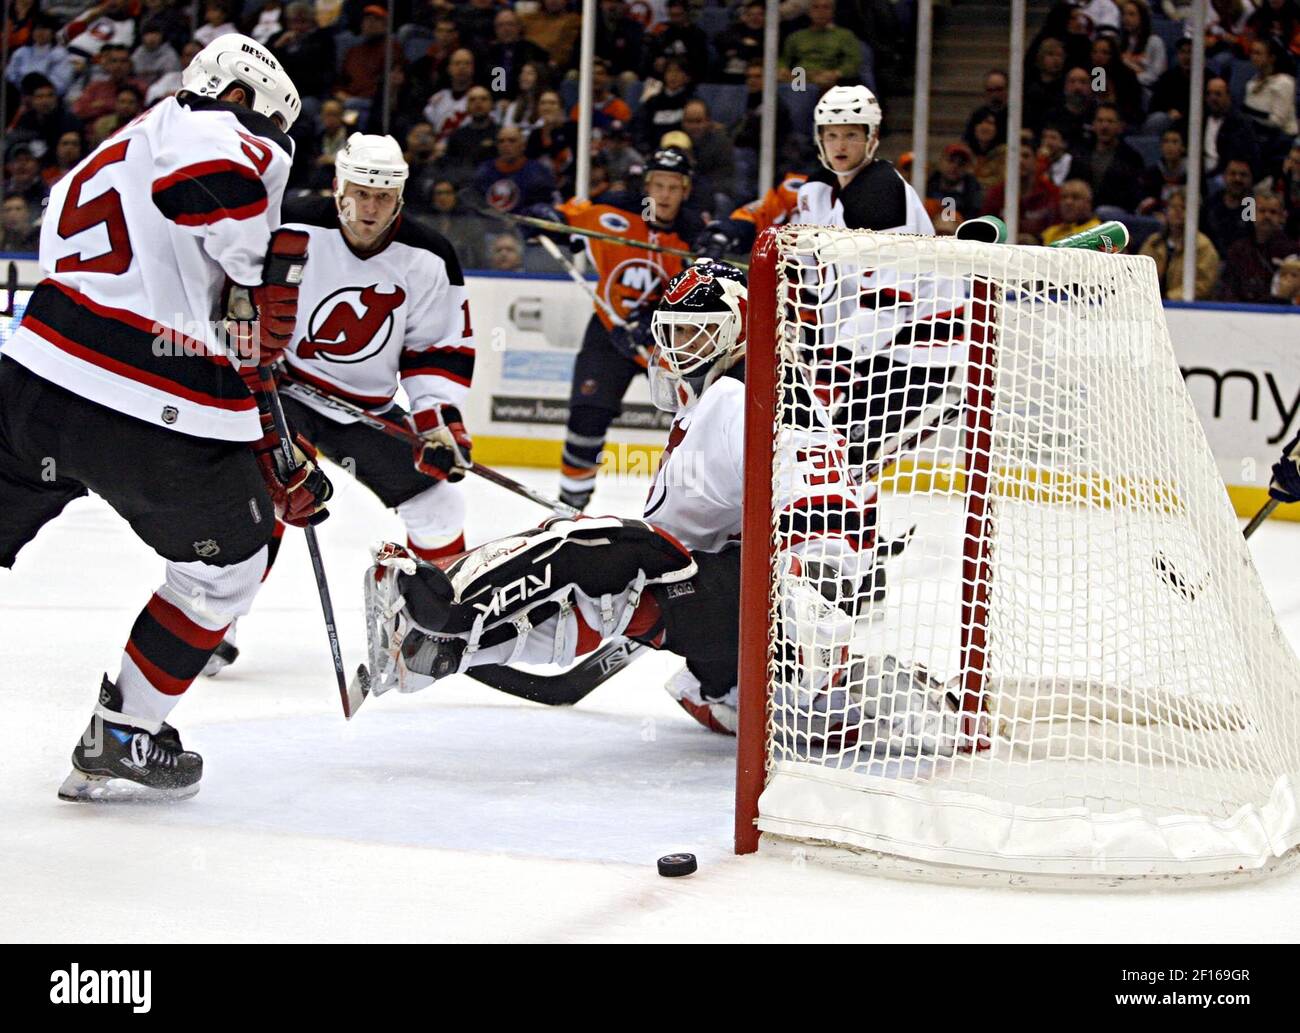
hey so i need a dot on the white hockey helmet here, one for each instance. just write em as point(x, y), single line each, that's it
point(235, 60)
point(371, 161)
point(848, 106)
point(699, 333)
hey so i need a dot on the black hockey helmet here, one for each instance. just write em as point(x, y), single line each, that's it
point(669, 159)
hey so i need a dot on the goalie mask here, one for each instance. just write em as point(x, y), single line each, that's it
point(699, 333)
point(375, 163)
point(848, 106)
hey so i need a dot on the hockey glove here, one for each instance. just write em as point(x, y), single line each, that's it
point(276, 298)
point(633, 339)
point(1285, 486)
point(550, 214)
point(444, 452)
point(299, 494)
point(715, 243)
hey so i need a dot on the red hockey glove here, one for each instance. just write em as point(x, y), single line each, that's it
point(300, 493)
point(444, 452)
point(276, 297)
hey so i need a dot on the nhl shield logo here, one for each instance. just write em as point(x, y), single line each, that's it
point(170, 414)
point(207, 548)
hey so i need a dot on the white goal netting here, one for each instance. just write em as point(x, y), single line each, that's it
point(1066, 663)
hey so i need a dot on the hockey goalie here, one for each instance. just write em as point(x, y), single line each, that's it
point(671, 580)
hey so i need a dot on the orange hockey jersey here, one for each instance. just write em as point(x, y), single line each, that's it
point(775, 207)
point(629, 276)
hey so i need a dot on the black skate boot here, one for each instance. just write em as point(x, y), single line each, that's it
point(222, 657)
point(112, 754)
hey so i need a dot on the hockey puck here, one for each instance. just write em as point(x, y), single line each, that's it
point(673, 865)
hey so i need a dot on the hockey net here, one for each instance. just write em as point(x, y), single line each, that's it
point(1071, 667)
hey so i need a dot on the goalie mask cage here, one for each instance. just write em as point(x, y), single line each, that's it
point(1109, 692)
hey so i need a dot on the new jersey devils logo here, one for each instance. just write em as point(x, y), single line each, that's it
point(351, 325)
point(684, 284)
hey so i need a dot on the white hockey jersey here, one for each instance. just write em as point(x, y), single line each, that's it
point(367, 322)
point(138, 242)
point(698, 489)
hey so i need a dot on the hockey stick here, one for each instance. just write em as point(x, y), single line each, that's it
point(395, 429)
point(351, 700)
point(567, 687)
point(578, 231)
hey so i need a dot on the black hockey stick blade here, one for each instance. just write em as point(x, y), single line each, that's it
point(567, 687)
point(1175, 580)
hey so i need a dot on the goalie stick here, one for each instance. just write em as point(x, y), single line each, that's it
point(568, 686)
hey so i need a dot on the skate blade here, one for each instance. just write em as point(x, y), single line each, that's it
point(80, 787)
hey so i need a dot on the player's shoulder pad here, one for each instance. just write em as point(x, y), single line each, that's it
point(258, 125)
point(311, 210)
point(414, 233)
point(793, 181)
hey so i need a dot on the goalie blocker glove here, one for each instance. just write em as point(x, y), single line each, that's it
point(444, 452)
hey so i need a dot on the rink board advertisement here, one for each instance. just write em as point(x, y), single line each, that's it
point(1241, 364)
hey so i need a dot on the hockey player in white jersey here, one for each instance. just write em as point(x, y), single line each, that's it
point(118, 382)
point(382, 304)
point(671, 580)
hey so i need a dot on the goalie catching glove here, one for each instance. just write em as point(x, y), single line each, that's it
point(444, 451)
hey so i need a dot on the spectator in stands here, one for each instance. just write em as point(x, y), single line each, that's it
point(1286, 285)
point(363, 64)
point(620, 40)
point(1076, 212)
point(606, 105)
point(270, 22)
point(168, 84)
point(130, 102)
point(1170, 99)
point(306, 51)
point(1104, 14)
point(1287, 184)
point(663, 112)
point(447, 107)
point(509, 52)
point(513, 181)
point(42, 115)
point(827, 54)
point(1110, 166)
point(506, 254)
point(175, 26)
point(43, 56)
point(620, 158)
point(1167, 175)
point(431, 68)
point(154, 57)
point(713, 183)
point(554, 141)
point(329, 141)
point(1279, 20)
point(555, 29)
point(748, 131)
point(423, 167)
point(1270, 93)
point(1225, 215)
point(475, 139)
point(990, 155)
point(466, 230)
point(1141, 50)
point(477, 23)
point(23, 175)
point(1165, 246)
point(1046, 87)
point(953, 180)
point(742, 43)
point(521, 111)
point(1251, 261)
point(1228, 134)
point(22, 17)
point(109, 22)
point(1054, 154)
point(1078, 108)
point(995, 105)
point(67, 152)
point(216, 23)
point(99, 98)
point(1227, 25)
point(17, 234)
point(1115, 83)
point(679, 39)
point(1040, 199)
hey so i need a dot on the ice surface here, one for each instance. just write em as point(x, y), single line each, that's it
point(456, 813)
